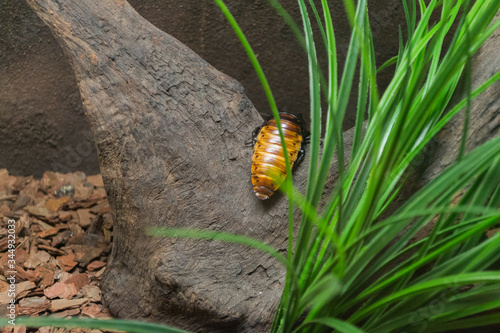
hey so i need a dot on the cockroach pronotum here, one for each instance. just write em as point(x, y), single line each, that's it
point(268, 160)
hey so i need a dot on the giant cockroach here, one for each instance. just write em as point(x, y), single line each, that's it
point(268, 160)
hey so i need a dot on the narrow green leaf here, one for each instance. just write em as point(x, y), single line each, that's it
point(103, 324)
point(334, 323)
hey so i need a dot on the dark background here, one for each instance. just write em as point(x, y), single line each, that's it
point(42, 123)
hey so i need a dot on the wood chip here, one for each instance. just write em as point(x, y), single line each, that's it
point(65, 216)
point(93, 293)
point(107, 235)
point(50, 232)
point(62, 304)
point(85, 254)
point(56, 204)
point(64, 276)
point(36, 259)
point(45, 226)
point(23, 275)
point(94, 265)
point(21, 255)
point(79, 280)
point(4, 244)
point(61, 290)
point(75, 178)
point(33, 305)
point(96, 226)
point(21, 202)
point(20, 183)
point(108, 221)
point(45, 272)
point(75, 229)
point(85, 217)
point(50, 181)
point(7, 197)
point(61, 238)
point(67, 262)
point(52, 250)
point(100, 272)
point(23, 288)
point(55, 290)
point(4, 175)
point(96, 180)
point(4, 286)
point(91, 309)
point(82, 192)
point(69, 291)
point(4, 300)
point(104, 314)
point(99, 194)
point(70, 313)
point(42, 213)
point(101, 208)
point(4, 209)
point(83, 204)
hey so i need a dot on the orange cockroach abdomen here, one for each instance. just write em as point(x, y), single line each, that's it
point(268, 161)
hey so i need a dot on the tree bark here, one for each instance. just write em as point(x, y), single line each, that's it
point(170, 131)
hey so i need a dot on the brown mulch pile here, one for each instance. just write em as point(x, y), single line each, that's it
point(63, 231)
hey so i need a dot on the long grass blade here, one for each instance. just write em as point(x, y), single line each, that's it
point(103, 324)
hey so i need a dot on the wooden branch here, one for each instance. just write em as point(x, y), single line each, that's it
point(170, 132)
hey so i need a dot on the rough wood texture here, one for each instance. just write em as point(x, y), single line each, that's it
point(170, 132)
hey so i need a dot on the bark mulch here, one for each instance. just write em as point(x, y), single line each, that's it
point(63, 231)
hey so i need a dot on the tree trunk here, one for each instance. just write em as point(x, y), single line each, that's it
point(170, 132)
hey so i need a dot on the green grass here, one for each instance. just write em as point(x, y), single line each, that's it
point(351, 267)
point(344, 271)
point(103, 324)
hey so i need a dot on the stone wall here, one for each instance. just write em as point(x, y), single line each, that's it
point(42, 124)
